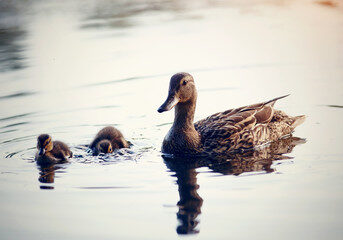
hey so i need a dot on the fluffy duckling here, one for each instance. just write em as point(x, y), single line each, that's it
point(108, 139)
point(232, 130)
point(51, 152)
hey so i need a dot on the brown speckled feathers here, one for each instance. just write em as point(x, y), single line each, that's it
point(61, 150)
point(244, 127)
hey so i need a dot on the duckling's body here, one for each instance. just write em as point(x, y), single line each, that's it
point(51, 152)
point(232, 130)
point(107, 139)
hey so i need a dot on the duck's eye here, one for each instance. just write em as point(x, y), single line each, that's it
point(184, 82)
point(46, 142)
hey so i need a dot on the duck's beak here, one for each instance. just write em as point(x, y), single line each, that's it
point(171, 101)
point(41, 151)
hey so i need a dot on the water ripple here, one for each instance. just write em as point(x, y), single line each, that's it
point(335, 106)
point(82, 154)
point(123, 80)
point(103, 188)
point(18, 94)
point(15, 124)
point(17, 116)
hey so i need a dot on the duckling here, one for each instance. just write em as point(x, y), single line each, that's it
point(51, 152)
point(107, 139)
point(233, 130)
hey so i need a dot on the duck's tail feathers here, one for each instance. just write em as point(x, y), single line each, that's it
point(298, 120)
point(272, 102)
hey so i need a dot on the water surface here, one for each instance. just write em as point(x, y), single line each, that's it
point(69, 68)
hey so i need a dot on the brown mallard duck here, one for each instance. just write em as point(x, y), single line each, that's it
point(51, 152)
point(233, 130)
point(107, 139)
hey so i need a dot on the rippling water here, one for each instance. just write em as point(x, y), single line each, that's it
point(68, 68)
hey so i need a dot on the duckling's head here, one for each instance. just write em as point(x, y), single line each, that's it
point(104, 146)
point(44, 144)
point(181, 90)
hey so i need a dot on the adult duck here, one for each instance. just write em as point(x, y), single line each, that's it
point(225, 132)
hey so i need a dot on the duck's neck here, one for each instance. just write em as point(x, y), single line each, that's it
point(184, 115)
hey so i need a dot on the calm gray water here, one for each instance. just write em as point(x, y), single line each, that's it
point(69, 68)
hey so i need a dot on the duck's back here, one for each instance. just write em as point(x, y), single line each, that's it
point(61, 150)
point(58, 154)
point(245, 127)
point(113, 135)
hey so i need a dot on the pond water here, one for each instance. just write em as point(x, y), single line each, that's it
point(68, 68)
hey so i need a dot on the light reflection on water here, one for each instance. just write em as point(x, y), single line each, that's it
point(69, 68)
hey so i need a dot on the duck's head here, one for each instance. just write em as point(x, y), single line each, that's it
point(181, 90)
point(44, 144)
point(104, 146)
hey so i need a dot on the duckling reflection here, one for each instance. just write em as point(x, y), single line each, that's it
point(47, 175)
point(185, 171)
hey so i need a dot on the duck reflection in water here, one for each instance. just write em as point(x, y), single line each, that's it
point(190, 202)
point(47, 175)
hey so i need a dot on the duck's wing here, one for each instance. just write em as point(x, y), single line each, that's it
point(224, 124)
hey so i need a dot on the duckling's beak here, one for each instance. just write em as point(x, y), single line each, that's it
point(171, 101)
point(41, 151)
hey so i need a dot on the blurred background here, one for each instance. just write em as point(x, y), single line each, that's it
point(68, 68)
